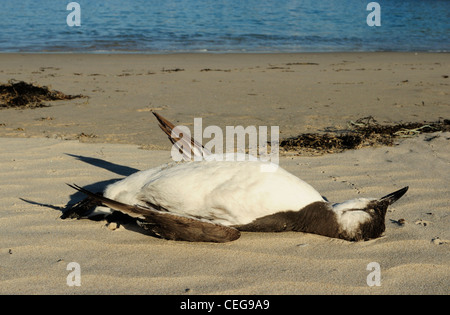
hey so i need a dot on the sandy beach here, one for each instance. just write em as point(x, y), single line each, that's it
point(111, 133)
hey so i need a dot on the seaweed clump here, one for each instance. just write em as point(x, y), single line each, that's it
point(362, 133)
point(20, 94)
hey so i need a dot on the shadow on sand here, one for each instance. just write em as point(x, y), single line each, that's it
point(79, 207)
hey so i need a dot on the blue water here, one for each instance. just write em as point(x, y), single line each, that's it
point(160, 26)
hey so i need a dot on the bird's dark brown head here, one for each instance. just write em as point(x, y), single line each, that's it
point(363, 219)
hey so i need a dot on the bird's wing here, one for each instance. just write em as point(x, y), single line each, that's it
point(169, 225)
point(181, 141)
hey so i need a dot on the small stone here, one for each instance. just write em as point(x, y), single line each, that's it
point(113, 226)
point(422, 222)
point(437, 241)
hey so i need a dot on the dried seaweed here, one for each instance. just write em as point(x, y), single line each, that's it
point(362, 133)
point(20, 94)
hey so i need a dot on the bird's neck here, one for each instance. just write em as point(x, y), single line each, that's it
point(317, 218)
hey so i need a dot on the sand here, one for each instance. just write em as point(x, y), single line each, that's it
point(112, 134)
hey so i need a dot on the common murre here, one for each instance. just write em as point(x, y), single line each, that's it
point(212, 201)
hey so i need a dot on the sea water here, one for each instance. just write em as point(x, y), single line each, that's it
point(166, 26)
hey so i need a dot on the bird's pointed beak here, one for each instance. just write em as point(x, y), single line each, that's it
point(393, 197)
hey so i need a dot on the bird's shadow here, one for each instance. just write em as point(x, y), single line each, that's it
point(118, 169)
point(112, 167)
point(79, 205)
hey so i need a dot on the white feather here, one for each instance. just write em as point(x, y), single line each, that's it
point(350, 214)
point(225, 192)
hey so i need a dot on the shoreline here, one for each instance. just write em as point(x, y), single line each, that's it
point(206, 52)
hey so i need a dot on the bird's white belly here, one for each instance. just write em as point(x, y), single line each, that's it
point(229, 193)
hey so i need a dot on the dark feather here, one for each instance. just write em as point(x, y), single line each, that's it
point(179, 140)
point(169, 225)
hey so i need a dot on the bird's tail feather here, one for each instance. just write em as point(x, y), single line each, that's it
point(181, 142)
